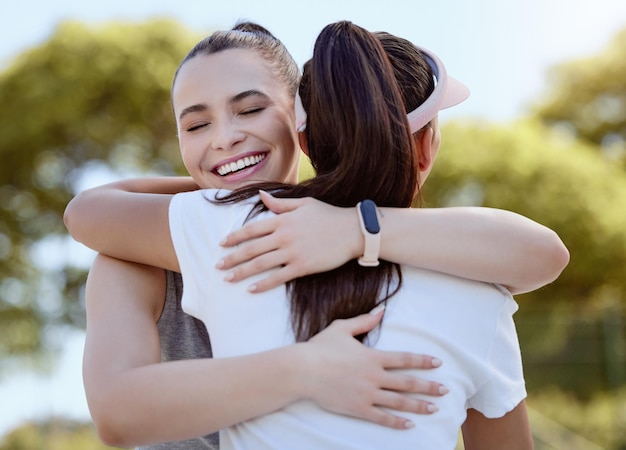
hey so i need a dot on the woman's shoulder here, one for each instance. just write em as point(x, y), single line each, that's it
point(214, 195)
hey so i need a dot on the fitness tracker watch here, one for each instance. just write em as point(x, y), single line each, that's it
point(368, 218)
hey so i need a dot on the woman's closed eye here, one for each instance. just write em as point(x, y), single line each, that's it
point(251, 111)
point(197, 126)
point(200, 125)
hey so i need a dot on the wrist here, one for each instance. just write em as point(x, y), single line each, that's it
point(313, 373)
point(354, 237)
point(367, 212)
point(301, 366)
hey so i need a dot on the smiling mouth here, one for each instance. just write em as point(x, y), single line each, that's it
point(240, 164)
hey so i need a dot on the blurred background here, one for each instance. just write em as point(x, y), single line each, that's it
point(84, 95)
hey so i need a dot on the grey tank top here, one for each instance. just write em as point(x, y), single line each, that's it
point(182, 337)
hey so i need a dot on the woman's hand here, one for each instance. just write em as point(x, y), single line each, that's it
point(350, 378)
point(306, 236)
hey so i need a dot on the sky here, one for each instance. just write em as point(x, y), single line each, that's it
point(502, 49)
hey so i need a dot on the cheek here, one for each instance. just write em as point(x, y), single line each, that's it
point(188, 156)
point(282, 135)
point(182, 148)
point(289, 148)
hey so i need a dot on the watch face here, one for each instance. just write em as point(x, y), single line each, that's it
point(370, 218)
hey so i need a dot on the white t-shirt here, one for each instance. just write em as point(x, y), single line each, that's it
point(467, 324)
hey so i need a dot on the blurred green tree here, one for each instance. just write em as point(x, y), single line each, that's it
point(88, 96)
point(53, 434)
point(540, 173)
point(588, 98)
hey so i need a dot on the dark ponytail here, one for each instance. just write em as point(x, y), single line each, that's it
point(357, 131)
point(361, 146)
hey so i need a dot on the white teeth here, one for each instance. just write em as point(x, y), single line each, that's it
point(242, 163)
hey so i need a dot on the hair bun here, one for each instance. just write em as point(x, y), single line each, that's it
point(251, 27)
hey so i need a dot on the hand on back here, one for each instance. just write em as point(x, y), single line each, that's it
point(349, 378)
point(306, 236)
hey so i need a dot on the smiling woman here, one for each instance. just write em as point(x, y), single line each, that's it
point(235, 125)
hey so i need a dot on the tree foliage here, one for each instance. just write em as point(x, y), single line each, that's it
point(601, 421)
point(550, 178)
point(86, 95)
point(588, 97)
point(53, 434)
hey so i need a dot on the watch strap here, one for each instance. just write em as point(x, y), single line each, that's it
point(370, 227)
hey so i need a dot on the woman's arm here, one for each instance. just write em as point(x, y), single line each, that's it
point(511, 432)
point(128, 219)
point(485, 244)
point(134, 399)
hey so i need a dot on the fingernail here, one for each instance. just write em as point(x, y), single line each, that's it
point(409, 424)
point(436, 362)
point(377, 309)
point(432, 408)
point(229, 276)
point(443, 390)
point(219, 264)
point(252, 288)
point(223, 241)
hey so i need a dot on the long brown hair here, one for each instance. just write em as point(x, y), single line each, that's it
point(361, 146)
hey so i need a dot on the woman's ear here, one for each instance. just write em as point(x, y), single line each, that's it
point(428, 141)
point(425, 148)
point(304, 145)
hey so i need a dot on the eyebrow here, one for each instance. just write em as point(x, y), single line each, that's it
point(249, 93)
point(193, 108)
point(200, 107)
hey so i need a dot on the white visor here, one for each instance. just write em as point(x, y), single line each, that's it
point(448, 92)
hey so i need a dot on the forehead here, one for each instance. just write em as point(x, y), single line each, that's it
point(214, 79)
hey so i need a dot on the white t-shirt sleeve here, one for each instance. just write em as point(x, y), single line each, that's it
point(505, 388)
point(238, 322)
point(196, 234)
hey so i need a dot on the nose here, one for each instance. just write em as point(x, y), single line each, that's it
point(225, 135)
